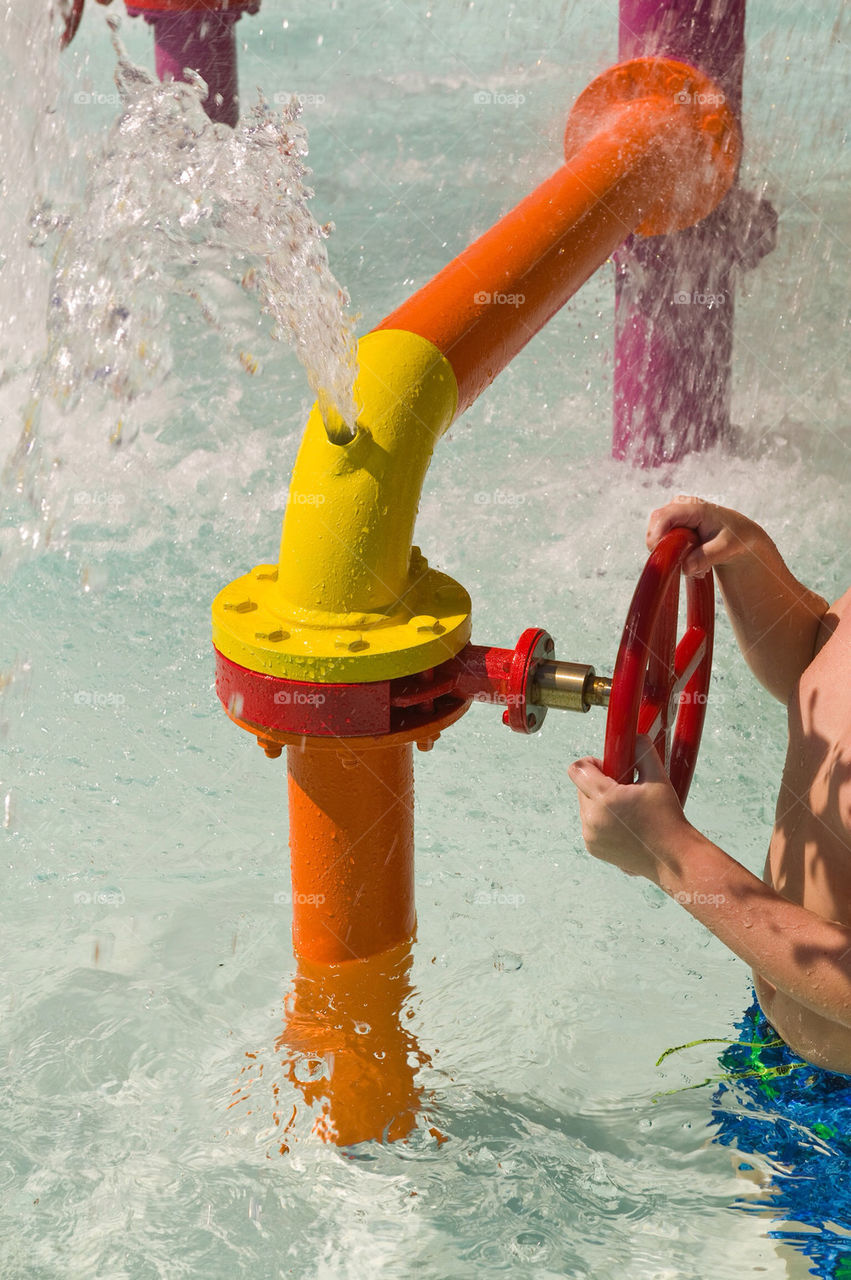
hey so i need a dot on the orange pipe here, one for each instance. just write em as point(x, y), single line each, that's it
point(639, 157)
point(536, 258)
point(347, 1021)
point(352, 842)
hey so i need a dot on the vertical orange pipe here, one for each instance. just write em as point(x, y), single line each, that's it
point(352, 847)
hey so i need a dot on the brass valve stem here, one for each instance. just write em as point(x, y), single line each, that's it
point(570, 686)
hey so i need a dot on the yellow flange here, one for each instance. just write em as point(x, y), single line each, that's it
point(351, 600)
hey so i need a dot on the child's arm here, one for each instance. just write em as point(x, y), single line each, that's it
point(642, 830)
point(776, 619)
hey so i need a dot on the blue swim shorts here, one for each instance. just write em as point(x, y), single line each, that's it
point(774, 1104)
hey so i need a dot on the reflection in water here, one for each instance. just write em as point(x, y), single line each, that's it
point(347, 1051)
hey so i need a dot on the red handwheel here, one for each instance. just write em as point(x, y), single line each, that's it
point(660, 685)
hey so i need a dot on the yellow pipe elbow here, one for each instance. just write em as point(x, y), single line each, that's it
point(351, 509)
point(350, 598)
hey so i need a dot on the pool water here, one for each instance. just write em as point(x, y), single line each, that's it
point(147, 946)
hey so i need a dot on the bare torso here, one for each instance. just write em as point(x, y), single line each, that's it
point(809, 858)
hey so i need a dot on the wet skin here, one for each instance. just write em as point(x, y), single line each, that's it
point(809, 857)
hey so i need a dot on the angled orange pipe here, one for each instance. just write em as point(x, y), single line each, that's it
point(650, 146)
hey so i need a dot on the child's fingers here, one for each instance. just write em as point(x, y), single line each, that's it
point(721, 537)
point(723, 547)
point(685, 512)
point(588, 777)
point(697, 563)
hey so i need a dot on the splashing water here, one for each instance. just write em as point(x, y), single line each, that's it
point(177, 204)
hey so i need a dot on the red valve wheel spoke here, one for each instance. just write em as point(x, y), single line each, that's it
point(660, 661)
point(660, 685)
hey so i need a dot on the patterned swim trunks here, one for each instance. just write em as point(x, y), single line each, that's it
point(776, 1106)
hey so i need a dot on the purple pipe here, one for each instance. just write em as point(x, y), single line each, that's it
point(204, 41)
point(674, 294)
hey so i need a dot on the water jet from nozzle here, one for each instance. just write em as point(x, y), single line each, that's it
point(337, 429)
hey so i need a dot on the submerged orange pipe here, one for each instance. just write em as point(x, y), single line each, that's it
point(349, 1022)
point(650, 146)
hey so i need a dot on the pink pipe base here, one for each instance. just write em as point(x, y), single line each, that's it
point(204, 42)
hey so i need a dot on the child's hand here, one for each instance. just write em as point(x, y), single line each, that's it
point(636, 826)
point(724, 534)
